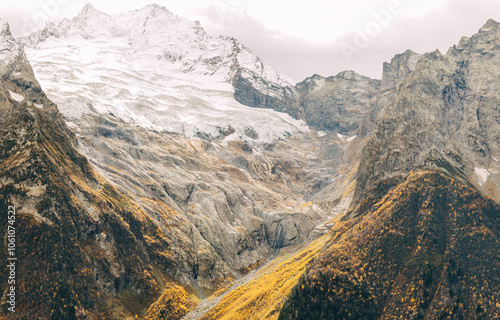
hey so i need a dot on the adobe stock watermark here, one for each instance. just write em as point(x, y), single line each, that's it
point(364, 36)
point(47, 10)
point(226, 6)
point(11, 259)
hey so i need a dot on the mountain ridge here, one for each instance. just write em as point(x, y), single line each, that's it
point(450, 114)
point(422, 227)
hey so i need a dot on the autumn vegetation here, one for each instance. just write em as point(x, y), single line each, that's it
point(172, 305)
point(425, 247)
point(263, 297)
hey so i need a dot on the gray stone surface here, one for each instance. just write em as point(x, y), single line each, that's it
point(445, 116)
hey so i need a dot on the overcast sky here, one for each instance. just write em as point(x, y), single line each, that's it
point(300, 38)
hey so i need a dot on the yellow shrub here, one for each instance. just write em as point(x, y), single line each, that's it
point(172, 304)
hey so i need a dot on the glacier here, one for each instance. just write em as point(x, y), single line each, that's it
point(152, 69)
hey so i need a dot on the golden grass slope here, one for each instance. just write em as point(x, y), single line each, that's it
point(263, 297)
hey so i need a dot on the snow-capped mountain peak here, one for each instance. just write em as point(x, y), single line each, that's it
point(89, 9)
point(155, 31)
point(155, 69)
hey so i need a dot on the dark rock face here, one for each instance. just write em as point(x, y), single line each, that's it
point(400, 67)
point(254, 91)
point(338, 103)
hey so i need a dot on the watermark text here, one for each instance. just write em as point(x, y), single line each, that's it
point(11, 258)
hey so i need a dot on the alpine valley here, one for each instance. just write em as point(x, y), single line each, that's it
point(158, 172)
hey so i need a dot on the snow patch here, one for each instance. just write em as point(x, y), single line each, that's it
point(346, 138)
point(482, 175)
point(39, 106)
point(232, 137)
point(72, 126)
point(16, 96)
point(322, 133)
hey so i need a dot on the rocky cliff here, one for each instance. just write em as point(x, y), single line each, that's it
point(445, 116)
point(339, 103)
point(400, 67)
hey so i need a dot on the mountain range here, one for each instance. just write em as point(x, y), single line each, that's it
point(159, 172)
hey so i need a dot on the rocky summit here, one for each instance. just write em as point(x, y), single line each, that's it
point(158, 172)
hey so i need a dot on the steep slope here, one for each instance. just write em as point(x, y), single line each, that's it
point(445, 116)
point(254, 91)
point(394, 73)
point(426, 249)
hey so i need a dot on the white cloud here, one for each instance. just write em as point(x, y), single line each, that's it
point(418, 9)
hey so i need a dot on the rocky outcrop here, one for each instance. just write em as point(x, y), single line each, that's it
point(339, 103)
point(394, 72)
point(254, 91)
point(400, 67)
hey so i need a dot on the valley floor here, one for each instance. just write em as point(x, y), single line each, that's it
point(261, 293)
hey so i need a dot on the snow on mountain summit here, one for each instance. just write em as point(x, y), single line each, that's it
point(151, 68)
point(155, 31)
